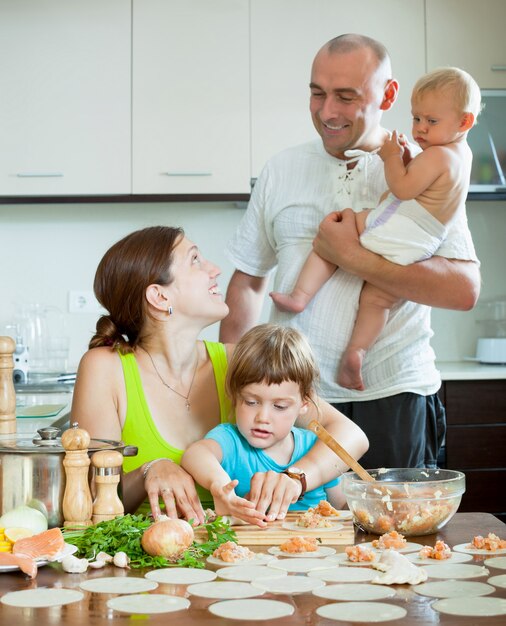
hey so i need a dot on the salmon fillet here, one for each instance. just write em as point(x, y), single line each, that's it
point(25, 563)
point(41, 546)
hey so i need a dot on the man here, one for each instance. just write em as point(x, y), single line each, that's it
point(351, 86)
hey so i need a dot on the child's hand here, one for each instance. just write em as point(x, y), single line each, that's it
point(393, 146)
point(227, 502)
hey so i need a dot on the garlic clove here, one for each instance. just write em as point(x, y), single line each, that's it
point(121, 559)
point(73, 565)
point(97, 564)
point(103, 556)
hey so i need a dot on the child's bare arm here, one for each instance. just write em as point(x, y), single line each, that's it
point(408, 182)
point(203, 461)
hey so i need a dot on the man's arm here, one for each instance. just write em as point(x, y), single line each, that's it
point(438, 281)
point(245, 295)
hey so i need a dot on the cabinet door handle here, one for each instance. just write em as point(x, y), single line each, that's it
point(39, 175)
point(498, 68)
point(186, 173)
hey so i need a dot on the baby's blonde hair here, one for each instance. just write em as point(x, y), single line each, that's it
point(272, 354)
point(458, 83)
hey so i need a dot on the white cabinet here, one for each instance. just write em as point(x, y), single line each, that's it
point(65, 97)
point(468, 34)
point(285, 36)
point(191, 97)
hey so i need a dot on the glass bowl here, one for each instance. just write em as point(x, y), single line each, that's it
point(412, 501)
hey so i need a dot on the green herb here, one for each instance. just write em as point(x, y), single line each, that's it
point(123, 534)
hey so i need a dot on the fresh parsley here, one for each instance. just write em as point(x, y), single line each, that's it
point(123, 534)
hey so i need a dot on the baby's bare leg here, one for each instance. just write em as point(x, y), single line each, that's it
point(314, 274)
point(372, 316)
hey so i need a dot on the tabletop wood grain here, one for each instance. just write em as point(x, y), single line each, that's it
point(93, 611)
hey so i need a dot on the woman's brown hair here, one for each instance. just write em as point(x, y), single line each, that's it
point(272, 354)
point(140, 259)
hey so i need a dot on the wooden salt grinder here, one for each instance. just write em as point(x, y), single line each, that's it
point(77, 504)
point(107, 505)
point(7, 393)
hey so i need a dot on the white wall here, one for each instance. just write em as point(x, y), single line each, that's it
point(48, 250)
point(51, 249)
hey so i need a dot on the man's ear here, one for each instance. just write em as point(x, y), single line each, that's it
point(390, 94)
point(467, 121)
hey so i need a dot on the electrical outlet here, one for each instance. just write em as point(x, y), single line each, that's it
point(83, 302)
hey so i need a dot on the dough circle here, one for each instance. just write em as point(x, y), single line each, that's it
point(474, 607)
point(453, 589)
point(251, 609)
point(247, 573)
point(289, 584)
point(118, 584)
point(41, 597)
point(463, 547)
point(307, 531)
point(357, 592)
point(498, 581)
point(259, 559)
point(409, 547)
point(300, 566)
point(361, 611)
point(148, 603)
point(456, 557)
point(322, 551)
point(224, 590)
point(181, 575)
point(457, 570)
point(344, 574)
point(498, 562)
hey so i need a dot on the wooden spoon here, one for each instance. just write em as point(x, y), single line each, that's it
point(327, 438)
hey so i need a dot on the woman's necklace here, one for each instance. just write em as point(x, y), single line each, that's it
point(185, 398)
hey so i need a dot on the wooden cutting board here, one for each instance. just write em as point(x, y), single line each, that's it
point(275, 534)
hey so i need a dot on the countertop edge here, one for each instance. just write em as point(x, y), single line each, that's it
point(470, 370)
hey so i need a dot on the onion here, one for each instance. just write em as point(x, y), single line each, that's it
point(167, 537)
point(24, 517)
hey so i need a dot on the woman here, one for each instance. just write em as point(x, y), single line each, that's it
point(150, 382)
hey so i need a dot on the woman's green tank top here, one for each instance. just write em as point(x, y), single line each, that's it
point(140, 430)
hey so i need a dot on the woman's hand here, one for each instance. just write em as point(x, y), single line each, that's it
point(274, 492)
point(169, 481)
point(227, 502)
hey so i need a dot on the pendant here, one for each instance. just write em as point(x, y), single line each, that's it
point(187, 406)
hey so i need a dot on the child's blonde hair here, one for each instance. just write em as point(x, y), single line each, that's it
point(272, 354)
point(461, 85)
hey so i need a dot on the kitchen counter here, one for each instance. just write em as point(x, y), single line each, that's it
point(470, 370)
point(93, 609)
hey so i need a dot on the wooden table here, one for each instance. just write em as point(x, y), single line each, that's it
point(93, 611)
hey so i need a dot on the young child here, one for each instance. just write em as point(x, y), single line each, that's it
point(270, 381)
point(412, 219)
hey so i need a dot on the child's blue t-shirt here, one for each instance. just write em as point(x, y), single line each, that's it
point(241, 461)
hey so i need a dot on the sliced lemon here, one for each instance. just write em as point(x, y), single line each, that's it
point(13, 534)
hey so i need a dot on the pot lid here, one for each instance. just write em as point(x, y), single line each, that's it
point(49, 441)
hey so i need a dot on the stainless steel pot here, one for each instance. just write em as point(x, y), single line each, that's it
point(32, 472)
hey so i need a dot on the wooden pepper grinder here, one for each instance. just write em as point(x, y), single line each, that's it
point(77, 504)
point(107, 505)
point(7, 393)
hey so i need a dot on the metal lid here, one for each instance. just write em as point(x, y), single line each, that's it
point(48, 442)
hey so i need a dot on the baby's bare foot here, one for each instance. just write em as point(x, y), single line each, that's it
point(288, 302)
point(350, 369)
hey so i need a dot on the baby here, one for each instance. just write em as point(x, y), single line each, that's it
point(412, 218)
point(270, 381)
